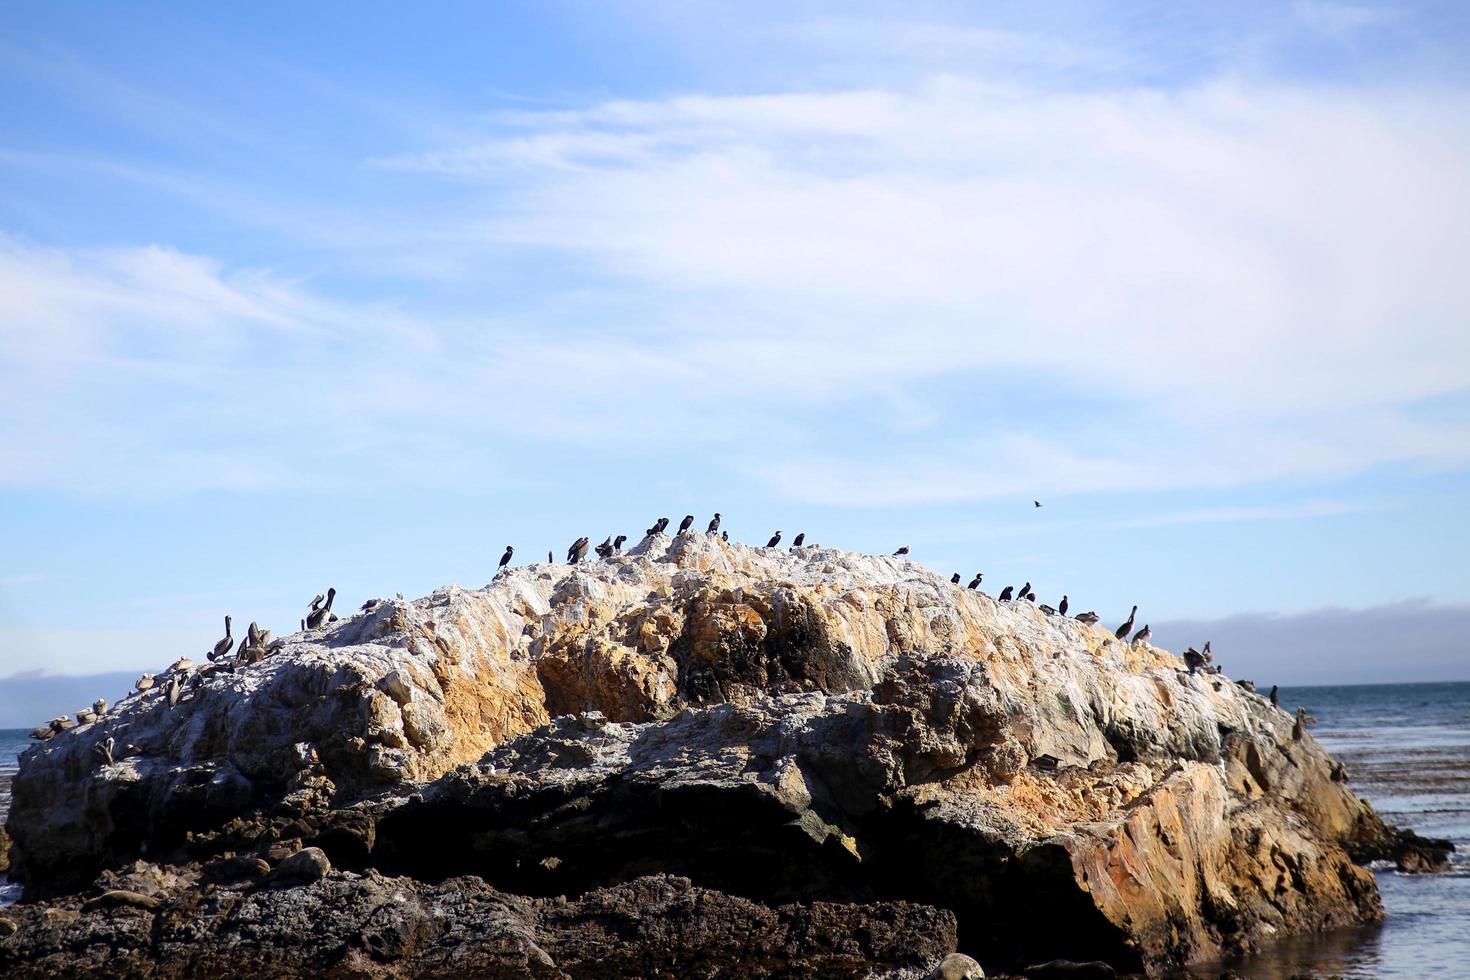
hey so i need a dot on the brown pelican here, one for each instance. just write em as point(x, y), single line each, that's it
point(505, 558)
point(1089, 617)
point(1062, 606)
point(1048, 610)
point(902, 551)
point(144, 683)
point(223, 646)
point(685, 524)
point(252, 635)
point(100, 707)
point(317, 601)
point(578, 550)
point(1122, 631)
point(714, 524)
point(43, 733)
point(317, 617)
point(1247, 686)
point(1194, 660)
point(1143, 635)
point(775, 540)
point(103, 750)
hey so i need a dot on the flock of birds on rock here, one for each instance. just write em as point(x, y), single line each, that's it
point(258, 643)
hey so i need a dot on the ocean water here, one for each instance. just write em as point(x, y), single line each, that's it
point(12, 744)
point(1407, 749)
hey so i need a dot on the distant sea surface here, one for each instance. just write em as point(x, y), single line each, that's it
point(1407, 750)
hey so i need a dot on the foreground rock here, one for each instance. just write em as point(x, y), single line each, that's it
point(813, 729)
point(374, 926)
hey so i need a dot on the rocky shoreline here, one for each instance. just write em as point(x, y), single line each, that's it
point(695, 759)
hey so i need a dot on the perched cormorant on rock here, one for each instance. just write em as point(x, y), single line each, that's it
point(955, 578)
point(1005, 594)
point(550, 558)
point(1302, 721)
point(223, 646)
point(1247, 686)
point(775, 540)
point(618, 544)
point(505, 558)
point(799, 539)
point(1089, 617)
point(714, 524)
point(902, 551)
point(1030, 596)
point(1048, 609)
point(686, 523)
point(1122, 631)
point(658, 527)
point(725, 536)
point(1024, 591)
point(605, 549)
point(975, 582)
point(303, 626)
point(317, 617)
point(1062, 606)
point(1143, 635)
point(579, 545)
point(1275, 696)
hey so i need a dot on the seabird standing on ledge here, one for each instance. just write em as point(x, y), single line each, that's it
point(318, 616)
point(604, 550)
point(658, 526)
point(1089, 617)
point(1048, 609)
point(1275, 696)
point(902, 551)
point(550, 558)
point(685, 523)
point(578, 550)
point(775, 540)
point(1143, 635)
point(618, 544)
point(1024, 591)
point(799, 539)
point(1122, 631)
point(1193, 660)
point(975, 582)
point(1062, 606)
point(505, 558)
point(1005, 594)
point(223, 646)
point(955, 578)
point(714, 524)
point(725, 536)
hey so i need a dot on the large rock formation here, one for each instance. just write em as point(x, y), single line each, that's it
point(807, 730)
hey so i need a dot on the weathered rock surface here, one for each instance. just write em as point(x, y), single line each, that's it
point(814, 729)
point(374, 926)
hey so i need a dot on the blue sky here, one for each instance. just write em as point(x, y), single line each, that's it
point(356, 294)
